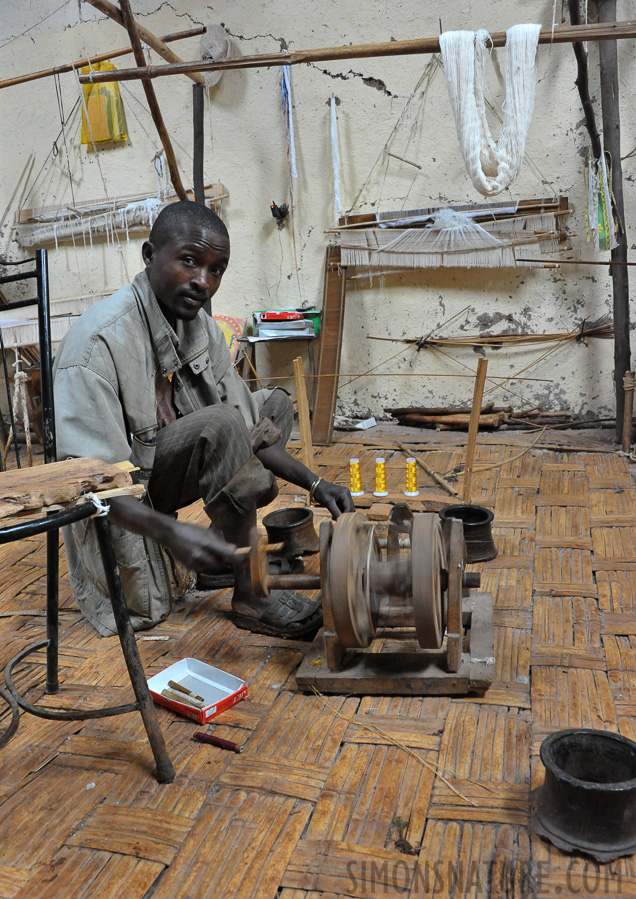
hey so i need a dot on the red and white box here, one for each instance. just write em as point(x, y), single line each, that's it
point(219, 689)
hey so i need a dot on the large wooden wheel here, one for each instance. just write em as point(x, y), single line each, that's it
point(354, 603)
point(427, 562)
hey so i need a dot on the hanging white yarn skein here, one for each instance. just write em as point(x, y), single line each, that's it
point(492, 166)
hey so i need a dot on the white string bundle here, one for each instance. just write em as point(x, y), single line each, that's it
point(492, 166)
point(335, 159)
point(20, 409)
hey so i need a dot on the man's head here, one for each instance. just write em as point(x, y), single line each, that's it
point(186, 255)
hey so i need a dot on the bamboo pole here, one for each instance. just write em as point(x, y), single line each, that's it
point(157, 44)
point(153, 105)
point(583, 84)
point(563, 34)
point(473, 427)
point(302, 405)
point(100, 57)
point(580, 261)
point(612, 144)
point(629, 382)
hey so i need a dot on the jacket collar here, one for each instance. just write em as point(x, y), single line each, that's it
point(188, 344)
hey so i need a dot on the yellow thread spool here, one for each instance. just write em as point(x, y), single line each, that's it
point(411, 478)
point(380, 478)
point(355, 478)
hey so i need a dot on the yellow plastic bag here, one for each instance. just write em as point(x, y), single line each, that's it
point(105, 108)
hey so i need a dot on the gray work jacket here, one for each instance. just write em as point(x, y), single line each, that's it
point(105, 408)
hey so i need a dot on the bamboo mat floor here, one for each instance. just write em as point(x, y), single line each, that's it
point(315, 805)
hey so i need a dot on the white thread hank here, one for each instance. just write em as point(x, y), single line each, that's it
point(335, 158)
point(492, 166)
point(101, 508)
point(20, 409)
point(287, 109)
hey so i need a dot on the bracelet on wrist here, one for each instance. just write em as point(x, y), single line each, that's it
point(312, 489)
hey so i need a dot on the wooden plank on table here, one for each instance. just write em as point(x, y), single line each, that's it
point(29, 489)
point(331, 329)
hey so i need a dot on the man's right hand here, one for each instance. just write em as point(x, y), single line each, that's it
point(198, 548)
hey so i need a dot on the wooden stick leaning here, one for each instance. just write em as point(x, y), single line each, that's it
point(99, 57)
point(158, 44)
point(307, 449)
point(473, 427)
point(164, 137)
point(429, 471)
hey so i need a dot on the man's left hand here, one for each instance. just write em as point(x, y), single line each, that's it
point(334, 497)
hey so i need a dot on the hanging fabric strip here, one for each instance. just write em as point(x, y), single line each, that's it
point(492, 166)
point(591, 206)
point(605, 207)
point(285, 86)
point(335, 156)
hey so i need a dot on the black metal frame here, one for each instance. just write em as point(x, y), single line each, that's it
point(50, 524)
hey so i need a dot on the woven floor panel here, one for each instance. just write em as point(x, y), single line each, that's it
point(336, 796)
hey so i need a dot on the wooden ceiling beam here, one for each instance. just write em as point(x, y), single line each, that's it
point(560, 35)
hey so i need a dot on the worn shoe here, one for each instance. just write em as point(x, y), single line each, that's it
point(284, 614)
point(215, 580)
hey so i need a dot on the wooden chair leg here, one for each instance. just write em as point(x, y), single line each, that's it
point(52, 610)
point(165, 768)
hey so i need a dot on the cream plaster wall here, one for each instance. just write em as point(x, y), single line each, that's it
point(246, 151)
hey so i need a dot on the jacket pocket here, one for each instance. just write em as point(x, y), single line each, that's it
point(144, 448)
point(133, 563)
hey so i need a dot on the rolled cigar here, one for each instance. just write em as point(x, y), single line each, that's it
point(184, 698)
point(181, 689)
point(201, 737)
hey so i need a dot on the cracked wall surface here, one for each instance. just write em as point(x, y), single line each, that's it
point(399, 99)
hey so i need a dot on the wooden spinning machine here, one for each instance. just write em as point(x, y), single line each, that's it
point(400, 613)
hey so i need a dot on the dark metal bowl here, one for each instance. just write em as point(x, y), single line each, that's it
point(477, 521)
point(295, 528)
point(588, 799)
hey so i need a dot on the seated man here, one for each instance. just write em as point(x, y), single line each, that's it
point(145, 375)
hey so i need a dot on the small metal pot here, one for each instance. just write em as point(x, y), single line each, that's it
point(588, 800)
point(295, 528)
point(477, 520)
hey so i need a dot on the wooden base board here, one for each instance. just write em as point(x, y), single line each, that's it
point(423, 673)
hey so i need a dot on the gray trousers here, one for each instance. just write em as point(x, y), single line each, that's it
point(209, 455)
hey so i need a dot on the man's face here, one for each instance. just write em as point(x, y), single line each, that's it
point(186, 271)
